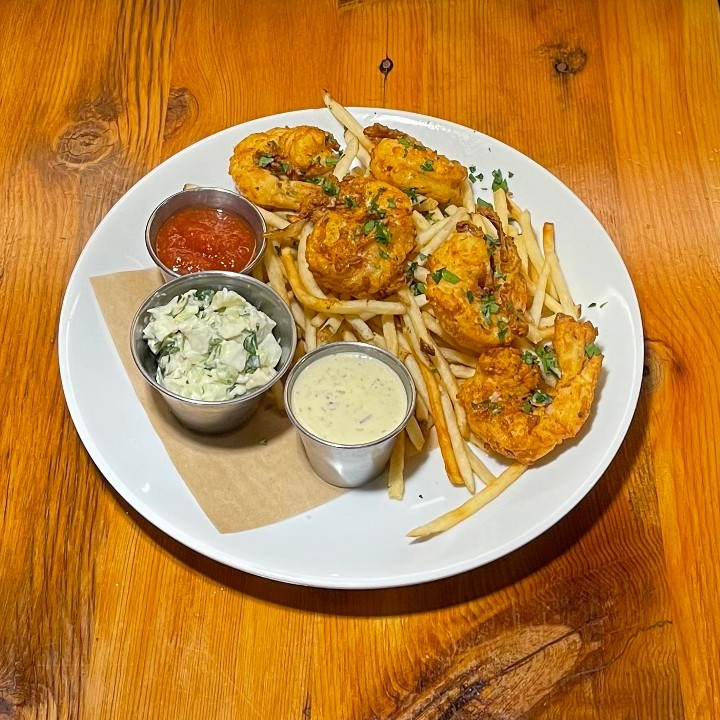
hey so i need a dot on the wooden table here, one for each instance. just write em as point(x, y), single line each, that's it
point(613, 613)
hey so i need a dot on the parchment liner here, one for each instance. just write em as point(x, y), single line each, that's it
point(244, 479)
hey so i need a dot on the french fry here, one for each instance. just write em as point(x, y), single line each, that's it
point(272, 219)
point(396, 479)
point(362, 154)
point(457, 443)
point(468, 196)
point(539, 296)
point(414, 369)
point(479, 467)
point(310, 331)
point(420, 222)
point(443, 435)
point(569, 307)
point(346, 120)
point(351, 150)
point(390, 333)
point(332, 305)
point(273, 268)
point(471, 506)
point(462, 372)
point(415, 434)
point(446, 224)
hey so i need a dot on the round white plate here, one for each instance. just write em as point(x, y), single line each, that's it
point(358, 540)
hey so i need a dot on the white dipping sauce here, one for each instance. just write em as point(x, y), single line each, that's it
point(348, 398)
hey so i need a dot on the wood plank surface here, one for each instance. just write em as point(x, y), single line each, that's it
point(612, 613)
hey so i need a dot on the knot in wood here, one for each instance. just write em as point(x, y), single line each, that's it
point(386, 65)
point(569, 61)
point(86, 142)
point(181, 105)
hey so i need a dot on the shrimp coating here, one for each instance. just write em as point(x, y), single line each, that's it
point(359, 246)
point(402, 161)
point(477, 288)
point(285, 168)
point(515, 413)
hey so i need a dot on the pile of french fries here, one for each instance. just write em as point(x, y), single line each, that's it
point(404, 324)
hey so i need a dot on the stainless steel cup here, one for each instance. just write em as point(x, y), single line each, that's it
point(208, 416)
point(216, 198)
point(349, 466)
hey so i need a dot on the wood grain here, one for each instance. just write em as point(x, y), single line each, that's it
point(612, 613)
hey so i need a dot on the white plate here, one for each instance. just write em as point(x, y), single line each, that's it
point(358, 540)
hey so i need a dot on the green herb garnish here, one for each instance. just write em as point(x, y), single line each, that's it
point(427, 166)
point(488, 307)
point(412, 194)
point(499, 183)
point(265, 160)
point(591, 350)
point(444, 274)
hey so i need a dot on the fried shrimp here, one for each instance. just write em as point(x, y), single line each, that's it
point(285, 168)
point(477, 288)
point(514, 412)
point(359, 246)
point(401, 160)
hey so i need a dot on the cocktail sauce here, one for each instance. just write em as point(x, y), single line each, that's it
point(204, 238)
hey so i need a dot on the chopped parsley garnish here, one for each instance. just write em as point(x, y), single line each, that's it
point(427, 166)
point(383, 254)
point(350, 202)
point(373, 206)
point(545, 357)
point(483, 203)
point(331, 160)
point(330, 187)
point(412, 194)
point(284, 167)
point(500, 275)
point(410, 271)
point(444, 274)
point(474, 175)
point(469, 295)
point(382, 234)
point(591, 350)
point(313, 180)
point(488, 307)
point(592, 304)
point(391, 203)
point(265, 160)
point(503, 327)
point(417, 288)
point(492, 242)
point(537, 399)
point(499, 183)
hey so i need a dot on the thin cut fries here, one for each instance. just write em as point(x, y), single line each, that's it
point(396, 479)
point(404, 323)
point(331, 305)
point(471, 506)
point(346, 119)
point(458, 444)
point(443, 434)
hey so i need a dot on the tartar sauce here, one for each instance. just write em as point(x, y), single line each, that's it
point(348, 398)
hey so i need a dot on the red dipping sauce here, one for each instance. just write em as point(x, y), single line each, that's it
point(204, 238)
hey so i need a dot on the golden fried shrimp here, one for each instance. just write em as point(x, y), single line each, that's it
point(401, 160)
point(285, 168)
point(514, 412)
point(477, 288)
point(359, 246)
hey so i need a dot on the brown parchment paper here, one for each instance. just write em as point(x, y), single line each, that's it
point(244, 479)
